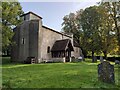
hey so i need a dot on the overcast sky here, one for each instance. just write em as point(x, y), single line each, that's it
point(53, 12)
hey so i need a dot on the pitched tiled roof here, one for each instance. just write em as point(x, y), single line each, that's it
point(60, 45)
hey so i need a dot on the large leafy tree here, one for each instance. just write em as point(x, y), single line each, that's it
point(90, 24)
point(113, 8)
point(11, 12)
point(106, 32)
point(71, 24)
point(94, 29)
point(98, 30)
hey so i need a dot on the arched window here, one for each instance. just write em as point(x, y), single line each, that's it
point(48, 49)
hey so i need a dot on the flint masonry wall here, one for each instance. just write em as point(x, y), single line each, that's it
point(33, 38)
point(21, 38)
point(26, 38)
point(26, 41)
point(15, 47)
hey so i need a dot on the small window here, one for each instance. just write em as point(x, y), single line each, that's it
point(48, 49)
point(23, 41)
point(24, 18)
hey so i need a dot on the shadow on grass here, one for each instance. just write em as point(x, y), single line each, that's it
point(89, 61)
point(7, 61)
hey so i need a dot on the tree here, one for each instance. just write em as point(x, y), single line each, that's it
point(113, 9)
point(94, 29)
point(98, 30)
point(90, 24)
point(107, 35)
point(11, 12)
point(71, 24)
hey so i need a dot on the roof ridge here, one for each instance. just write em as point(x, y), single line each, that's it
point(55, 31)
point(31, 13)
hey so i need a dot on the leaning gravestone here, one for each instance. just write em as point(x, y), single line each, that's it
point(106, 72)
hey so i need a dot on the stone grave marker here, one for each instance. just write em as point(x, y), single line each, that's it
point(117, 62)
point(106, 72)
point(101, 59)
point(94, 59)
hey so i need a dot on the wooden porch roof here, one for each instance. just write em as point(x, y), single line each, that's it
point(62, 45)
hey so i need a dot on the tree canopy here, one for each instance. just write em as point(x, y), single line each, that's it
point(97, 28)
point(113, 8)
point(11, 12)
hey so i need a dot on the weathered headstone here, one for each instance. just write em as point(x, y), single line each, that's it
point(106, 72)
point(101, 59)
point(80, 59)
point(117, 62)
point(94, 59)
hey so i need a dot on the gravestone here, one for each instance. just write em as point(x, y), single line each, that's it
point(101, 59)
point(117, 62)
point(94, 59)
point(80, 59)
point(106, 72)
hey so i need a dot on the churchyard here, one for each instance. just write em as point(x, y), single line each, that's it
point(55, 75)
point(88, 30)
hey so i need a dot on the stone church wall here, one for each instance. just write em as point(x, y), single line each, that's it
point(48, 39)
point(26, 41)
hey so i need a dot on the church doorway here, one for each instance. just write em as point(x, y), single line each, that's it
point(62, 49)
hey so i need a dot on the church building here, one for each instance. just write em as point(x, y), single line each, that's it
point(33, 39)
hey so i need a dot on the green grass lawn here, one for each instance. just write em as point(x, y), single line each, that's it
point(54, 75)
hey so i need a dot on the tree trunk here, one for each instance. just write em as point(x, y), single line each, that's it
point(105, 54)
point(92, 56)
